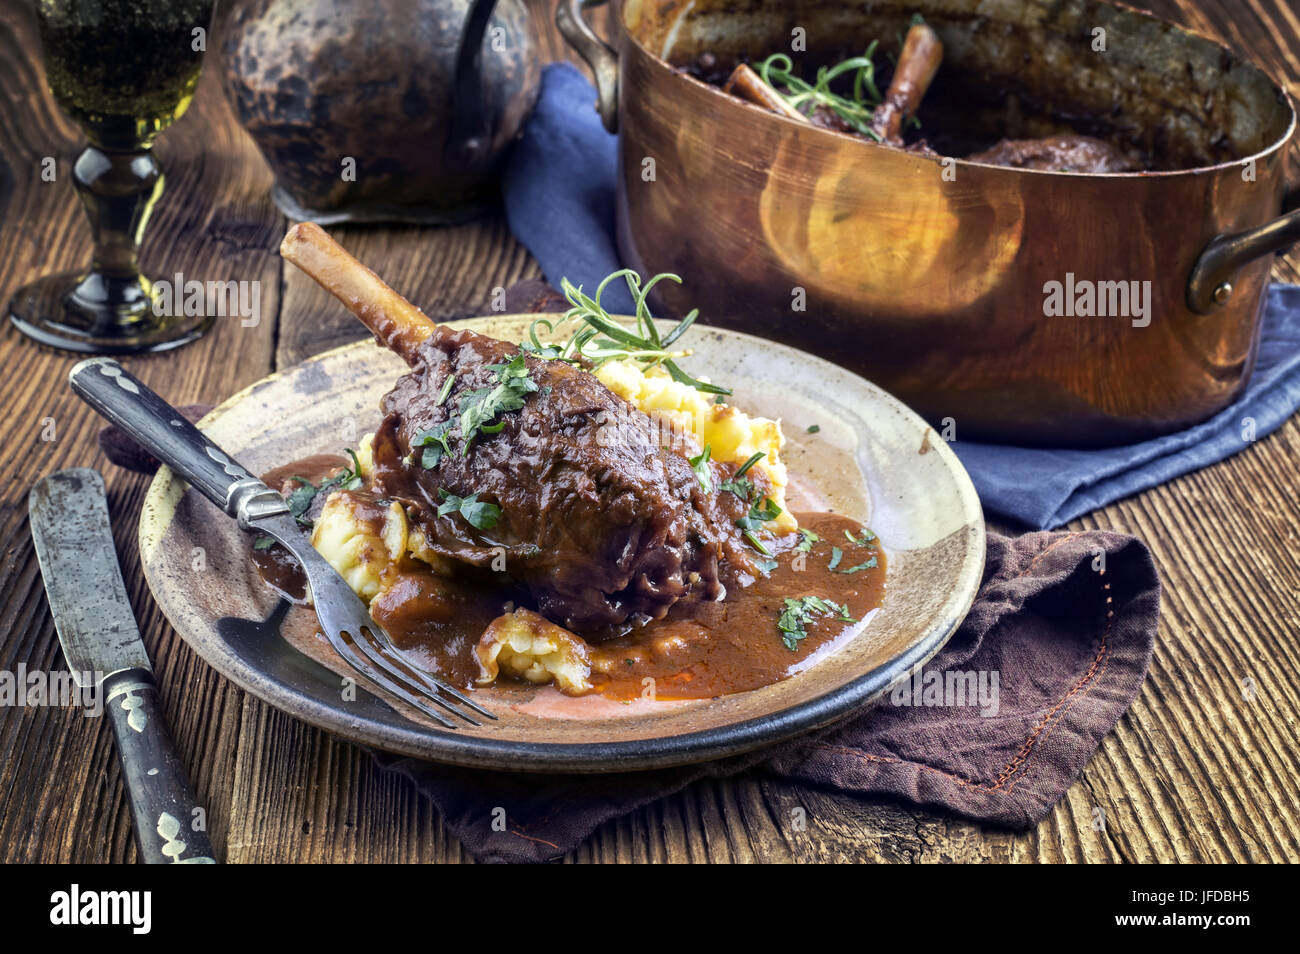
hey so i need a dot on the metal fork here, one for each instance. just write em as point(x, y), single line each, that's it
point(120, 397)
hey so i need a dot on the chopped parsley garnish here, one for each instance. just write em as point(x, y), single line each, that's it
point(301, 497)
point(703, 473)
point(478, 513)
point(814, 428)
point(482, 406)
point(742, 488)
point(754, 459)
point(479, 411)
point(836, 555)
point(869, 565)
point(739, 484)
point(806, 540)
point(754, 520)
point(866, 539)
point(446, 389)
point(434, 440)
point(796, 615)
point(767, 566)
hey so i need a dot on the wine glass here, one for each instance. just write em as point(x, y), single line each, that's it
point(123, 70)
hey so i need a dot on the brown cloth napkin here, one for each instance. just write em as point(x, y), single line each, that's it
point(1067, 621)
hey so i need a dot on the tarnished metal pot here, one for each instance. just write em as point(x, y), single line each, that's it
point(946, 281)
point(382, 110)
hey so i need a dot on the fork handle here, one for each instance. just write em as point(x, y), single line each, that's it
point(123, 399)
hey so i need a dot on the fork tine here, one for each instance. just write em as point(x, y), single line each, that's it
point(376, 656)
point(341, 611)
point(356, 662)
point(385, 646)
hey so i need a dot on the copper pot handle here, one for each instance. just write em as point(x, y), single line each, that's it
point(1210, 284)
point(600, 56)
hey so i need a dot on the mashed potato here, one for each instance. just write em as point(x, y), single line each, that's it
point(531, 647)
point(358, 549)
point(731, 435)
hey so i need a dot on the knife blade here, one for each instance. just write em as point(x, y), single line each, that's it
point(70, 527)
point(74, 546)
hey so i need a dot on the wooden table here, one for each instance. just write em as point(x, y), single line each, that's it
point(1199, 770)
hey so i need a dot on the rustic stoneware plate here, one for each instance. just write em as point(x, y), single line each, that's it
point(872, 459)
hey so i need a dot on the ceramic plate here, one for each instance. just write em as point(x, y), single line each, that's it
point(871, 459)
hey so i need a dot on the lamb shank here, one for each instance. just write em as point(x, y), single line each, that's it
point(602, 525)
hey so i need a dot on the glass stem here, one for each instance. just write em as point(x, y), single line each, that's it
point(118, 191)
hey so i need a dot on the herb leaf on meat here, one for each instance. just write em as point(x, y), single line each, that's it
point(479, 412)
point(446, 389)
point(434, 440)
point(703, 473)
point(739, 484)
point(754, 520)
point(482, 406)
point(477, 513)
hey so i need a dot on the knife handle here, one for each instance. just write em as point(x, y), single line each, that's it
point(162, 801)
point(123, 399)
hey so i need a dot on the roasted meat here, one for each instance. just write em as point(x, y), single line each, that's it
point(597, 520)
point(599, 523)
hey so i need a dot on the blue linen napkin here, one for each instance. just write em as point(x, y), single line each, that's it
point(559, 200)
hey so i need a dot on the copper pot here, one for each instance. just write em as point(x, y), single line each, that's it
point(933, 277)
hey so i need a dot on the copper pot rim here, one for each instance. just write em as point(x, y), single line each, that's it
point(727, 101)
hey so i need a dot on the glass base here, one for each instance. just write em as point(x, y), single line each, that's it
point(94, 313)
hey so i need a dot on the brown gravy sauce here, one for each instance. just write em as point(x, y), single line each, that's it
point(699, 650)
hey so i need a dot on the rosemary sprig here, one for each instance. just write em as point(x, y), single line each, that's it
point(599, 339)
point(857, 109)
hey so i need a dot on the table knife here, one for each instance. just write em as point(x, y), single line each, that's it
point(100, 639)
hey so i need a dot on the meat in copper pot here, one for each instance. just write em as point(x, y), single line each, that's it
point(843, 98)
point(1058, 154)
